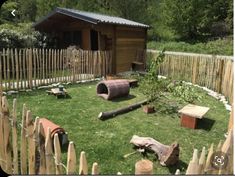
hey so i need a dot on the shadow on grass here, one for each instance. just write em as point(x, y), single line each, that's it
point(63, 97)
point(205, 124)
point(129, 97)
point(182, 166)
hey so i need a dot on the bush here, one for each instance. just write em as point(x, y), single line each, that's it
point(20, 36)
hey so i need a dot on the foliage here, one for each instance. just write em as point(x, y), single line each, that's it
point(184, 91)
point(222, 46)
point(150, 85)
point(193, 18)
point(169, 19)
point(21, 36)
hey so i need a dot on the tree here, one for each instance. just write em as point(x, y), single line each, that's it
point(27, 10)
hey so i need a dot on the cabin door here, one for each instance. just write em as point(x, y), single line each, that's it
point(94, 40)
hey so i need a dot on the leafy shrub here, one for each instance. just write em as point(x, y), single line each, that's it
point(184, 91)
point(150, 85)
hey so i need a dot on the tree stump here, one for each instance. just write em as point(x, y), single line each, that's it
point(144, 167)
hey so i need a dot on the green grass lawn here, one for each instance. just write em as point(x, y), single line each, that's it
point(107, 141)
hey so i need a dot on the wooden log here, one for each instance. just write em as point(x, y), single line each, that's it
point(50, 165)
point(167, 155)
point(144, 167)
point(95, 170)
point(57, 150)
point(41, 137)
point(6, 133)
point(83, 169)
point(23, 148)
point(31, 142)
point(14, 139)
point(110, 114)
point(71, 160)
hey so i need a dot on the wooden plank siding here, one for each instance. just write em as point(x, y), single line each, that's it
point(128, 41)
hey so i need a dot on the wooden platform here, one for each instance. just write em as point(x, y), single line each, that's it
point(190, 114)
point(133, 83)
point(57, 92)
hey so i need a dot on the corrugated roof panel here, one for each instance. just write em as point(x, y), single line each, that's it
point(102, 18)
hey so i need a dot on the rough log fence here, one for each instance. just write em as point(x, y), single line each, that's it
point(212, 71)
point(30, 68)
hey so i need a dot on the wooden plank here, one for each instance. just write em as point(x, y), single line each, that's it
point(36, 144)
point(17, 68)
point(71, 160)
point(14, 139)
point(83, 169)
point(50, 65)
point(6, 133)
point(57, 150)
point(50, 165)
point(43, 66)
point(23, 148)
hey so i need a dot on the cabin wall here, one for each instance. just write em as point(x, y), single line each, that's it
point(129, 40)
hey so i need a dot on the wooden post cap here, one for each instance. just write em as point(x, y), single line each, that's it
point(144, 167)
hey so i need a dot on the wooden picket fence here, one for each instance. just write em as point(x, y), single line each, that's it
point(203, 166)
point(212, 71)
point(29, 68)
point(35, 154)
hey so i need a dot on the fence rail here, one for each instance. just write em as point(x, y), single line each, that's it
point(212, 71)
point(28, 68)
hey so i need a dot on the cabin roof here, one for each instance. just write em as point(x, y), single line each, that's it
point(91, 17)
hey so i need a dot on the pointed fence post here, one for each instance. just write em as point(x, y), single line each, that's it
point(57, 150)
point(193, 167)
point(71, 160)
point(208, 167)
point(95, 170)
point(14, 139)
point(31, 143)
point(23, 148)
point(7, 130)
point(202, 161)
point(177, 172)
point(2, 154)
point(50, 167)
point(41, 137)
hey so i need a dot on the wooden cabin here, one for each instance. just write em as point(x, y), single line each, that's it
point(92, 31)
